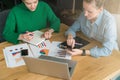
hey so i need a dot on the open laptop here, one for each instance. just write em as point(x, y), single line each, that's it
point(51, 66)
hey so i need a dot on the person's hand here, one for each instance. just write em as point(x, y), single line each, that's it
point(70, 41)
point(26, 36)
point(48, 34)
point(74, 52)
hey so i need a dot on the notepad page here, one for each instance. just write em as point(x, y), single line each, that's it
point(36, 38)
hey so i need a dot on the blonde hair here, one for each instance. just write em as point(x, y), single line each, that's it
point(98, 3)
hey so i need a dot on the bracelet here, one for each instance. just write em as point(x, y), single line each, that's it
point(83, 53)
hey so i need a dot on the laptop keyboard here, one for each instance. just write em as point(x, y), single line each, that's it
point(53, 59)
point(57, 59)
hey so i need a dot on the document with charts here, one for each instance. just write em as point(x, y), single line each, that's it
point(13, 56)
point(36, 38)
point(56, 51)
point(43, 49)
point(50, 49)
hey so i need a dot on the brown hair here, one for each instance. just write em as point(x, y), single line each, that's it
point(98, 3)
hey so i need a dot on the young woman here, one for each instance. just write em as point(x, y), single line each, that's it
point(29, 16)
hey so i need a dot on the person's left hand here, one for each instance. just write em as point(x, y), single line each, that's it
point(48, 34)
point(74, 52)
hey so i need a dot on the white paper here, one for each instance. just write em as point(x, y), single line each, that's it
point(36, 50)
point(36, 38)
point(13, 56)
point(53, 50)
point(58, 52)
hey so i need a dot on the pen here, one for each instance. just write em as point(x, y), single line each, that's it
point(79, 44)
point(30, 34)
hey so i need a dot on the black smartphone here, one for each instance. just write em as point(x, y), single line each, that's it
point(24, 52)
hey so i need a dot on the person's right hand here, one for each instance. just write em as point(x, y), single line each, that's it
point(70, 41)
point(26, 36)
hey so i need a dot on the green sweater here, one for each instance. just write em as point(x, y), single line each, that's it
point(20, 20)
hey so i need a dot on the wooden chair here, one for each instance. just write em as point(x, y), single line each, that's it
point(117, 18)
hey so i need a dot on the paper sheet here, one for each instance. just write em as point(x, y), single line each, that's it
point(13, 56)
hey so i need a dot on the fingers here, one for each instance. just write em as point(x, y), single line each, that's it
point(71, 42)
point(74, 51)
point(28, 36)
point(70, 52)
point(47, 35)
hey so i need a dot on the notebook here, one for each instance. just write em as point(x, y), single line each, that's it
point(51, 66)
point(37, 40)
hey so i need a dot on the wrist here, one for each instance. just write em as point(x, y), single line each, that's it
point(20, 37)
point(85, 52)
point(70, 36)
point(88, 52)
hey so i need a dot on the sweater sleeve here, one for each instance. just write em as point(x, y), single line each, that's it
point(9, 32)
point(54, 21)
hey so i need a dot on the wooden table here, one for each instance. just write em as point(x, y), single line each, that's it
point(88, 68)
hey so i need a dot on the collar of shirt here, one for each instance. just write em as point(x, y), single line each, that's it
point(97, 22)
point(99, 19)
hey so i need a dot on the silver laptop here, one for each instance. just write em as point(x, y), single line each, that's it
point(51, 66)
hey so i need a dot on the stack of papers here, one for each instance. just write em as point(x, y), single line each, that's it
point(51, 49)
point(14, 58)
